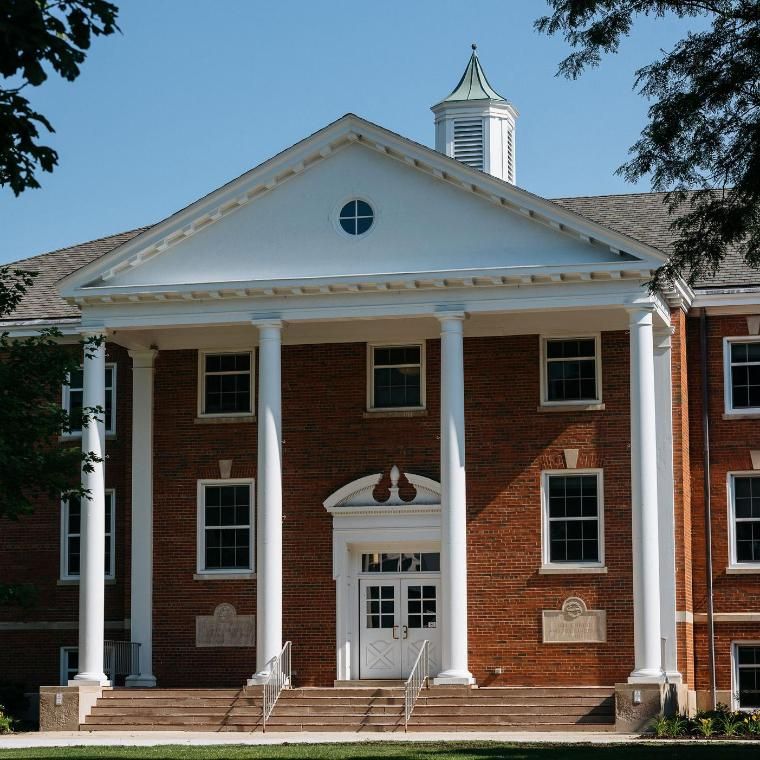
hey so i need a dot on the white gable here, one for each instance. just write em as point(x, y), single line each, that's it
point(422, 225)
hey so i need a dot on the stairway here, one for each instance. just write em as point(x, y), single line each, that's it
point(529, 708)
point(355, 708)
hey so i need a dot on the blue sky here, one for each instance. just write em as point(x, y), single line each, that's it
point(195, 92)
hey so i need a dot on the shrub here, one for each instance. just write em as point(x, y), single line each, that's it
point(752, 724)
point(676, 726)
point(6, 722)
point(660, 726)
point(731, 724)
point(705, 727)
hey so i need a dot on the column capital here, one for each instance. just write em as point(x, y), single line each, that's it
point(641, 313)
point(94, 332)
point(451, 322)
point(143, 358)
point(267, 320)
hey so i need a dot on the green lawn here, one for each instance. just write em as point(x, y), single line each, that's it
point(412, 751)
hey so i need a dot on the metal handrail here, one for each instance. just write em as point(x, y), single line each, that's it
point(277, 680)
point(121, 658)
point(417, 679)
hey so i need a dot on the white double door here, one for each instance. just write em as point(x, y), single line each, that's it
point(396, 616)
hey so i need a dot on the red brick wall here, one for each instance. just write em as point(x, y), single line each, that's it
point(730, 443)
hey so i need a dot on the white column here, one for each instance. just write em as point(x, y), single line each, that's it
point(454, 668)
point(269, 501)
point(92, 529)
point(141, 598)
point(646, 560)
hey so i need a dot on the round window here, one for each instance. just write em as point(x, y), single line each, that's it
point(356, 217)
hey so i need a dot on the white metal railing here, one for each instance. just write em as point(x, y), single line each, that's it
point(417, 679)
point(277, 680)
point(121, 658)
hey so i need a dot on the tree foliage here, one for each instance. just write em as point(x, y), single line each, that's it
point(33, 462)
point(702, 141)
point(35, 34)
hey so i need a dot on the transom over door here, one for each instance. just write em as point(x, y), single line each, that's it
point(397, 615)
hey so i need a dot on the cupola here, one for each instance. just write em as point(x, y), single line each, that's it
point(476, 125)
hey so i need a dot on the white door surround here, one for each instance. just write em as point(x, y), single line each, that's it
point(362, 524)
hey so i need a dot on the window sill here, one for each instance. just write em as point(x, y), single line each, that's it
point(75, 582)
point(748, 415)
point(232, 419)
point(243, 576)
point(371, 414)
point(571, 570)
point(597, 407)
point(743, 569)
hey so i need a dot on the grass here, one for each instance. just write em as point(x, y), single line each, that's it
point(408, 751)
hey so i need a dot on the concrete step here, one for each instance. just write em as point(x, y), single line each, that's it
point(516, 710)
point(527, 727)
point(157, 704)
point(171, 693)
point(444, 718)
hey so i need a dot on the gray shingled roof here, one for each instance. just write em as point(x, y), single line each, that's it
point(645, 217)
point(641, 216)
point(42, 300)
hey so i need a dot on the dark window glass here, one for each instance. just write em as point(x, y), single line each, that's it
point(72, 539)
point(356, 217)
point(747, 518)
point(573, 518)
point(745, 375)
point(227, 514)
point(227, 384)
point(748, 666)
point(76, 395)
point(571, 370)
point(397, 377)
point(426, 562)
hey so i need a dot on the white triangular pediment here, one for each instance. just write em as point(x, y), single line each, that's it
point(278, 224)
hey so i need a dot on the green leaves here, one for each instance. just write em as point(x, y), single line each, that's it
point(35, 34)
point(702, 142)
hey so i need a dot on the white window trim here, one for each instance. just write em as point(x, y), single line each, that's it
point(570, 567)
point(63, 668)
point(588, 403)
point(747, 411)
point(202, 414)
point(223, 573)
point(733, 563)
point(735, 673)
point(74, 578)
point(66, 404)
point(371, 376)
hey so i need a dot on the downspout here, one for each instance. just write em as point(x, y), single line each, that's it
point(707, 500)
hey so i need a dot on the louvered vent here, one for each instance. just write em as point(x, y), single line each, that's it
point(468, 142)
point(510, 151)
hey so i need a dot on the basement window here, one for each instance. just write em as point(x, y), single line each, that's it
point(69, 666)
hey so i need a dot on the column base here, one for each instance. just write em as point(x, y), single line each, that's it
point(454, 678)
point(647, 675)
point(90, 679)
point(638, 704)
point(143, 681)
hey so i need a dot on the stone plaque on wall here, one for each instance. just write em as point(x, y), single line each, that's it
point(575, 624)
point(225, 628)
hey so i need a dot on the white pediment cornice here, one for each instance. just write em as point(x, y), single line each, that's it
point(358, 497)
point(97, 281)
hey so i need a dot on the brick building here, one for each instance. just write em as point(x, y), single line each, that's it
point(295, 366)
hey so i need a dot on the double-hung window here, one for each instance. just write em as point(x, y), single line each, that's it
point(570, 371)
point(226, 384)
point(573, 532)
point(225, 527)
point(396, 377)
point(69, 664)
point(747, 675)
point(742, 375)
point(744, 525)
point(71, 537)
point(73, 394)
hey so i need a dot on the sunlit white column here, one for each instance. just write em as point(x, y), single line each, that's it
point(646, 560)
point(454, 666)
point(93, 521)
point(269, 501)
point(141, 598)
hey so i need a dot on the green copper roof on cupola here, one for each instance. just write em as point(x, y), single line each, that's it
point(473, 85)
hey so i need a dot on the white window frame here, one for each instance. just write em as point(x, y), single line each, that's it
point(63, 664)
point(733, 563)
point(570, 567)
point(224, 573)
point(544, 339)
point(66, 404)
point(74, 577)
point(746, 411)
point(371, 375)
point(735, 673)
point(201, 411)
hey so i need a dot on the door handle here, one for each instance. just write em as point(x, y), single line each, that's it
point(395, 631)
point(406, 632)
